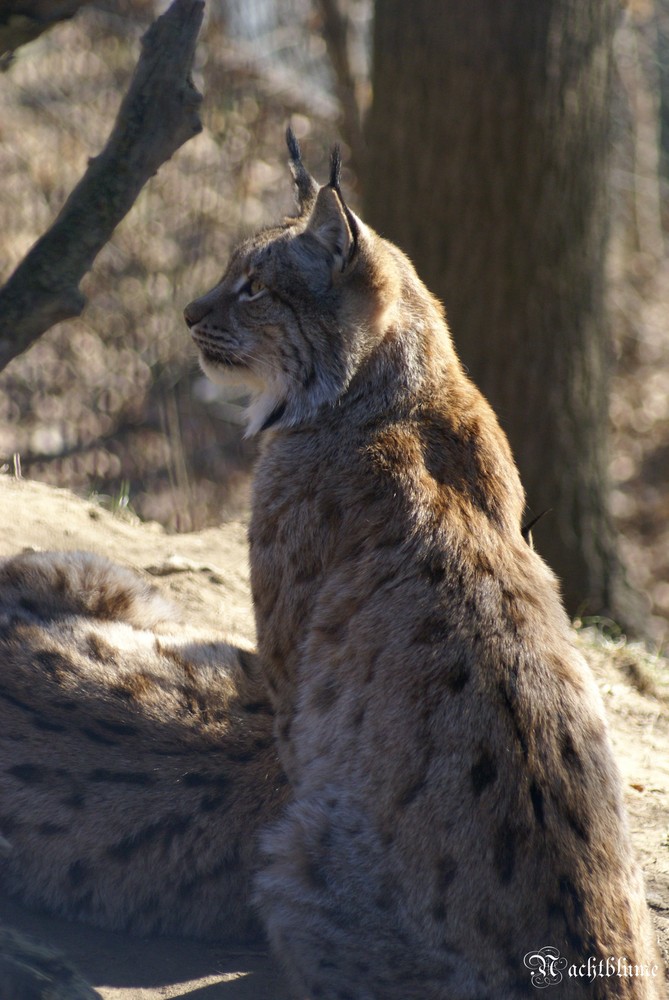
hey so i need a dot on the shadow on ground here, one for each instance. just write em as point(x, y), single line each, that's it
point(121, 967)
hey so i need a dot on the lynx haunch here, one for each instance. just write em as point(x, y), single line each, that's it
point(455, 800)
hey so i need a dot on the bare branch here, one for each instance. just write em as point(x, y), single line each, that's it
point(158, 115)
point(335, 35)
point(23, 20)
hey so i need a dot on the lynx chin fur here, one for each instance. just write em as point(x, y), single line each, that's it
point(456, 804)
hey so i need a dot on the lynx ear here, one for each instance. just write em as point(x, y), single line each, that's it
point(330, 227)
point(332, 222)
point(306, 187)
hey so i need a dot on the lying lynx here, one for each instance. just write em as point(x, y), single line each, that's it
point(136, 761)
point(457, 812)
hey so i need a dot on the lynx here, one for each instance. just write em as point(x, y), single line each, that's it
point(457, 815)
point(136, 757)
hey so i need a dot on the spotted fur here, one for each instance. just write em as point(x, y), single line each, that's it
point(137, 761)
point(457, 805)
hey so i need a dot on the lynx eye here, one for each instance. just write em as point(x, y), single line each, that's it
point(252, 288)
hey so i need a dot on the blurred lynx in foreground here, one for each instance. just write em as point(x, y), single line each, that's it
point(456, 805)
point(136, 756)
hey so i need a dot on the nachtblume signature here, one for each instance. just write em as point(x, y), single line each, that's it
point(549, 968)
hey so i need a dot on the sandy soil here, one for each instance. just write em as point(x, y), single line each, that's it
point(206, 574)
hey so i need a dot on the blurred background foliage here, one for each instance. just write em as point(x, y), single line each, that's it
point(113, 403)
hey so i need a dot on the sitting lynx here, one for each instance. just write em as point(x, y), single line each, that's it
point(457, 812)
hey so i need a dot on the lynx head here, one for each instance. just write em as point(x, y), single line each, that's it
point(300, 307)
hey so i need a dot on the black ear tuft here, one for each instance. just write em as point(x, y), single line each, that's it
point(293, 146)
point(335, 184)
point(306, 186)
point(335, 168)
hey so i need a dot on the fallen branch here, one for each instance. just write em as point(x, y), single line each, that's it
point(158, 115)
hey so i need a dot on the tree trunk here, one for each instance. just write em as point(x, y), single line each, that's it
point(662, 70)
point(488, 148)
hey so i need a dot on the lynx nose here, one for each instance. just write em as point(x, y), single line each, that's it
point(194, 312)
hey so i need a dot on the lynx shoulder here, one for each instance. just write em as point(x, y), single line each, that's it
point(457, 808)
point(137, 761)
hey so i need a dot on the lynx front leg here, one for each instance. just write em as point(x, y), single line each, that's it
point(334, 915)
